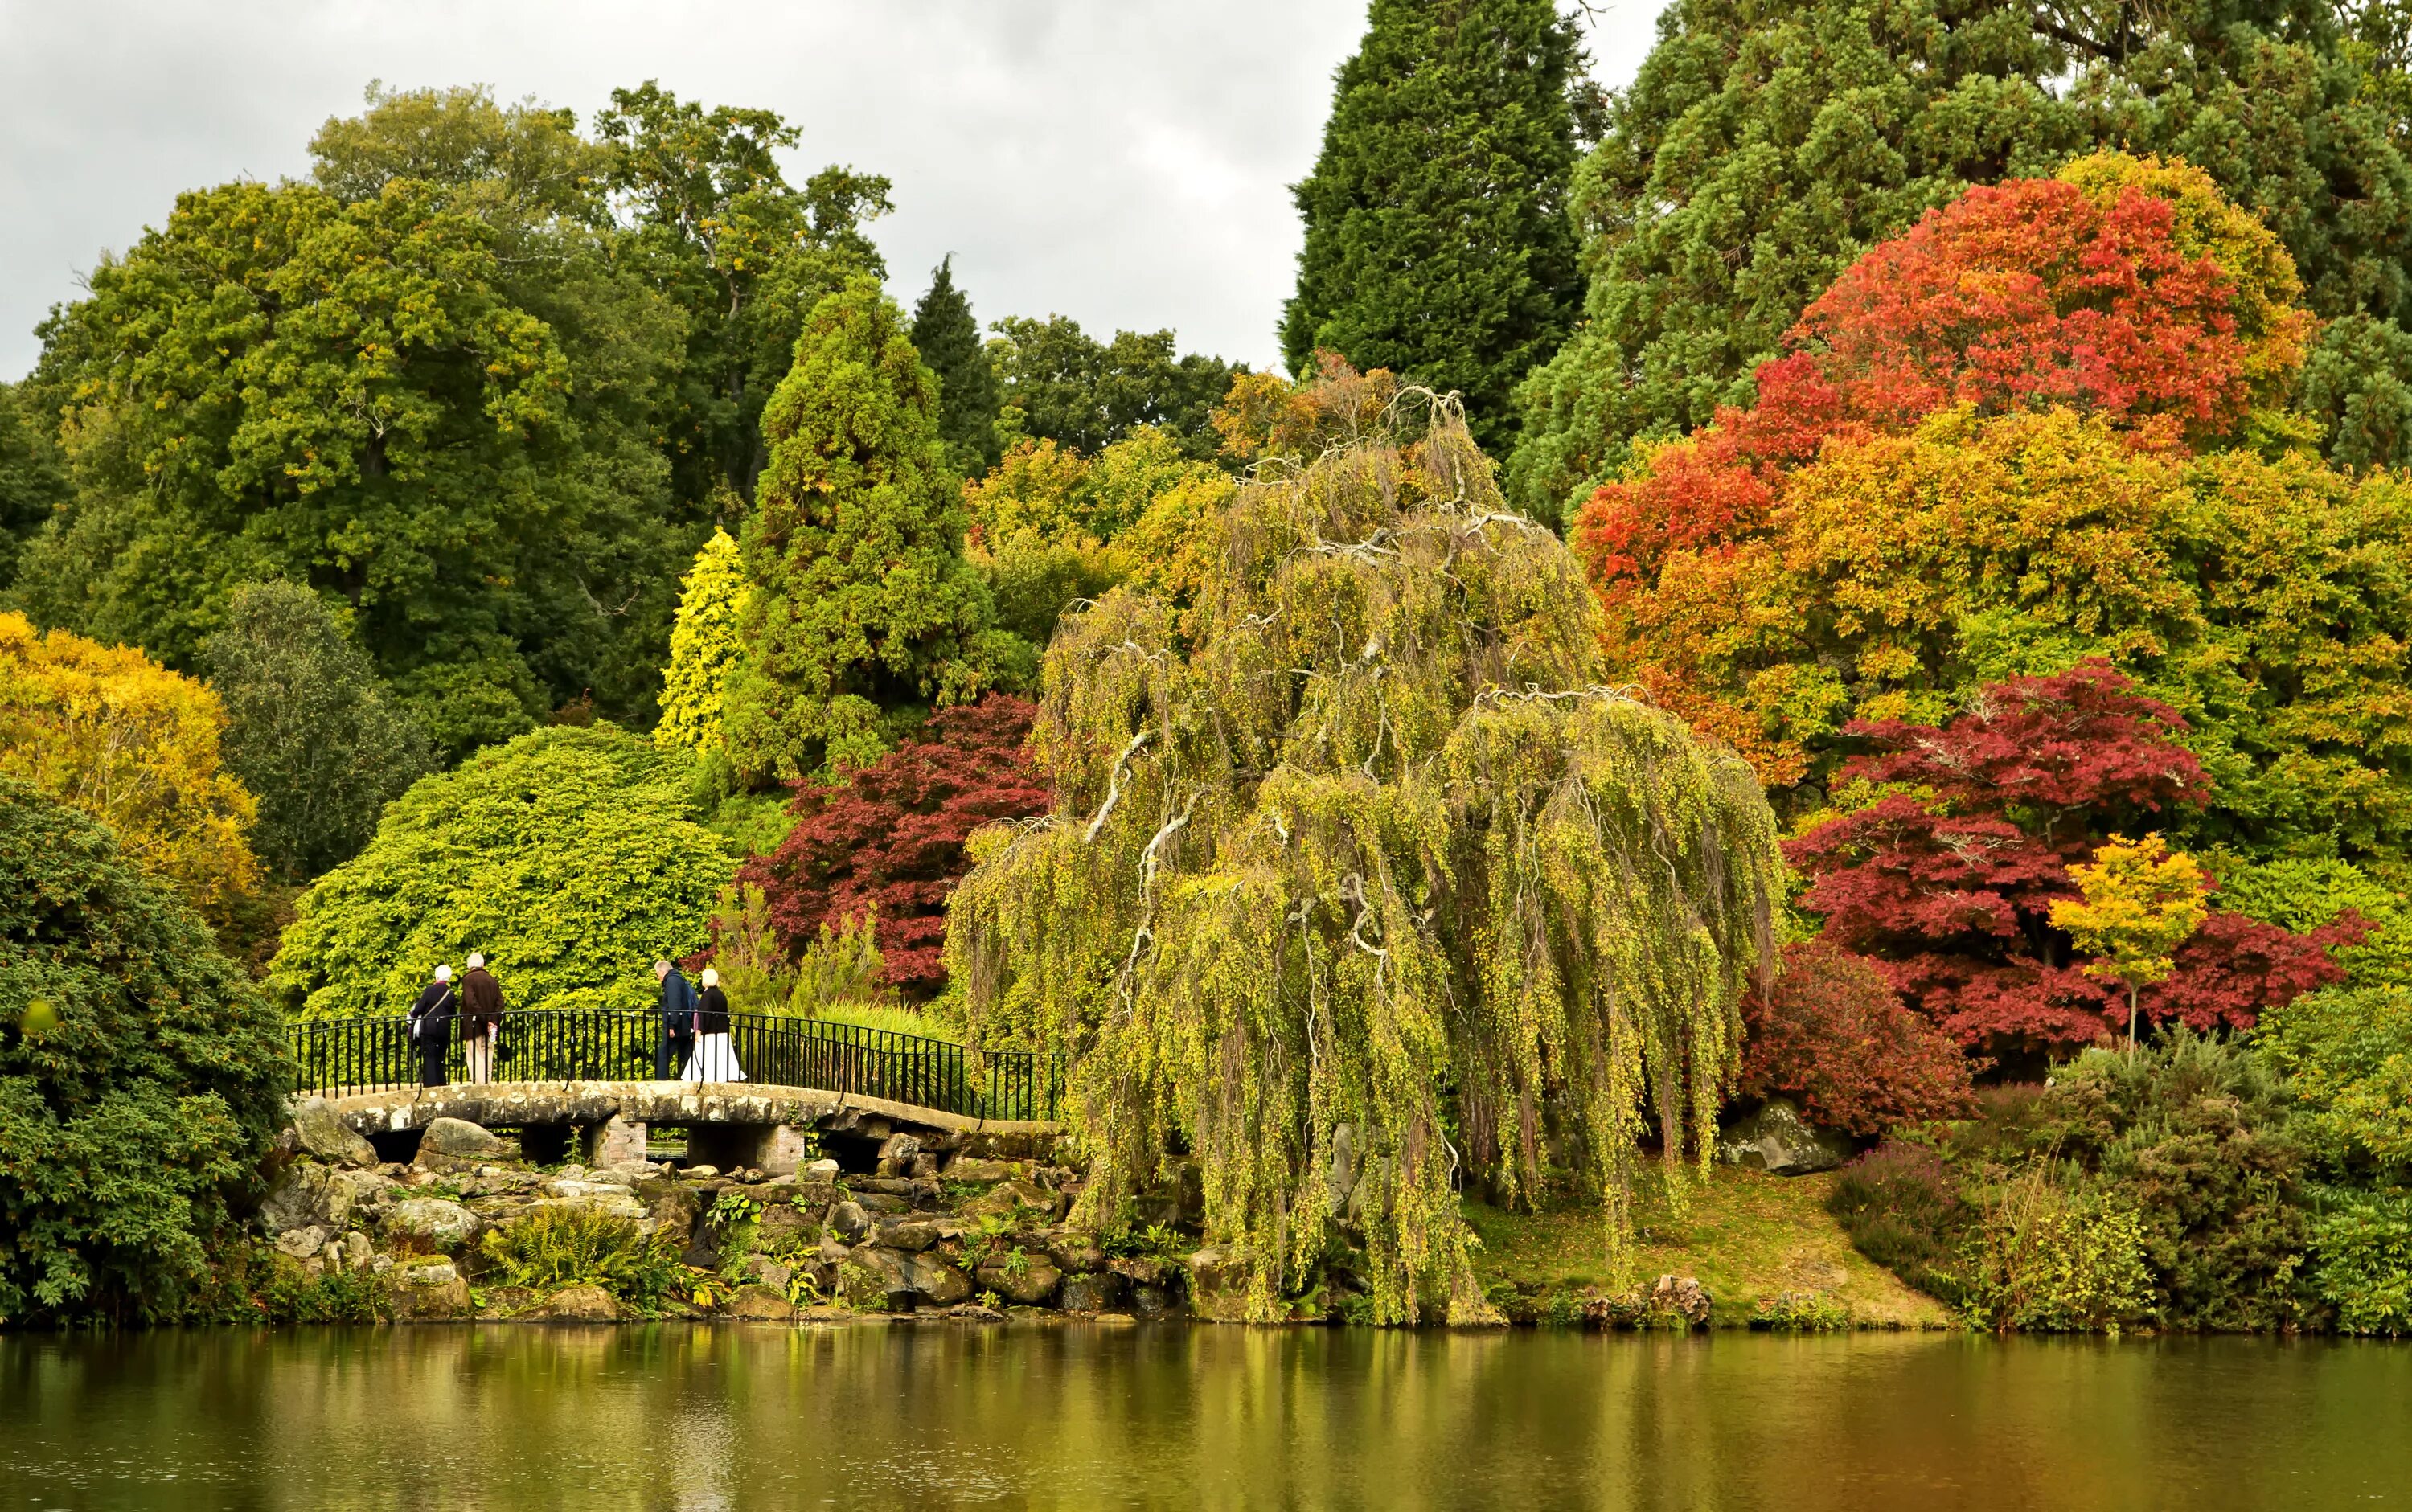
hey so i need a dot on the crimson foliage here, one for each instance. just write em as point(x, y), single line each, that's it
point(1948, 880)
point(892, 834)
point(1836, 1036)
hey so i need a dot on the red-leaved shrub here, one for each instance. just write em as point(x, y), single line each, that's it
point(892, 835)
point(1839, 1040)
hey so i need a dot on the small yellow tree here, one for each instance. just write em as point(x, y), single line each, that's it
point(703, 648)
point(111, 732)
point(2141, 901)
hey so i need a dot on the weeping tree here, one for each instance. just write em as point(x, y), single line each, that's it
point(1358, 885)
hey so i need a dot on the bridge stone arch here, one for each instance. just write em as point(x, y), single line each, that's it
point(728, 1124)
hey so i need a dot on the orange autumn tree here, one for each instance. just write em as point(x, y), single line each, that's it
point(2040, 426)
point(111, 732)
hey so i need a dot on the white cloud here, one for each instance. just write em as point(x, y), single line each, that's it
point(1124, 162)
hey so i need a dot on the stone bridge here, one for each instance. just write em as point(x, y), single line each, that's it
point(731, 1124)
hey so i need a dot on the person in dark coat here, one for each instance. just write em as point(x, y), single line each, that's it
point(678, 1023)
point(431, 1026)
point(481, 1018)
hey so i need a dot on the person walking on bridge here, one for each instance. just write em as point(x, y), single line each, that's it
point(715, 1057)
point(677, 1040)
point(431, 1026)
point(481, 1018)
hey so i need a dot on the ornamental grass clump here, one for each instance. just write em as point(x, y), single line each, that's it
point(1361, 843)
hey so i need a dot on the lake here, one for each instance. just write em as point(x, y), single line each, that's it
point(1073, 1416)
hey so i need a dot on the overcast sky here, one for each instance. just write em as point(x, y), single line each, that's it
point(1124, 162)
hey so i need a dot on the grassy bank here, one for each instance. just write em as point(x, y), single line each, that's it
point(1748, 1237)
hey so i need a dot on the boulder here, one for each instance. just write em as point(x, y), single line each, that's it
point(510, 1302)
point(458, 1140)
point(913, 1234)
point(1779, 1141)
point(864, 1289)
point(301, 1243)
point(1218, 1286)
point(764, 1270)
point(429, 1292)
point(881, 1202)
point(849, 1221)
point(1138, 1270)
point(760, 1303)
point(1012, 1199)
point(783, 1224)
point(583, 1304)
point(934, 1279)
point(1094, 1292)
point(888, 1265)
point(318, 1130)
point(1029, 1284)
point(436, 1221)
point(298, 1199)
point(1682, 1297)
point(1076, 1255)
point(826, 1170)
point(978, 1169)
point(702, 1173)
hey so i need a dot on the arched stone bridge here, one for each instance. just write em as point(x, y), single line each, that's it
point(729, 1125)
point(579, 1074)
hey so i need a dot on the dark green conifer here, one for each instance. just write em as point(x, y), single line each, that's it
point(948, 340)
point(1438, 240)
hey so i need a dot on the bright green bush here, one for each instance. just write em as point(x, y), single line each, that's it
point(571, 856)
point(2049, 1260)
point(140, 1075)
point(2347, 1053)
point(2362, 1261)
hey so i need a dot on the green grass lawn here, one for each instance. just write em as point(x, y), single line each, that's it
point(1746, 1235)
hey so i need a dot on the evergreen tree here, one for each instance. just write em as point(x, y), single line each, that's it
point(1761, 149)
point(1438, 240)
point(948, 340)
point(864, 608)
point(705, 647)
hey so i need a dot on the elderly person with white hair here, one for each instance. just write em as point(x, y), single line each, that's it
point(715, 1057)
point(431, 1026)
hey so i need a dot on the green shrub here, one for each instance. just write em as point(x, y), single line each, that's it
point(2047, 1260)
point(2347, 1054)
point(2194, 1137)
point(1796, 1312)
point(2362, 1250)
point(139, 1075)
point(585, 1246)
point(571, 856)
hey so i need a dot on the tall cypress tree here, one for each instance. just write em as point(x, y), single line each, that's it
point(948, 340)
point(1438, 240)
point(864, 609)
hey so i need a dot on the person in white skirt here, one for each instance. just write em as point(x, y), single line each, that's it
point(715, 1057)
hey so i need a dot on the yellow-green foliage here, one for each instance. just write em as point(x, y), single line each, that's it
point(1379, 852)
point(569, 856)
point(113, 733)
point(703, 647)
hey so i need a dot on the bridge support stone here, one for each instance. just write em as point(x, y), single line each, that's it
point(785, 1148)
point(613, 1143)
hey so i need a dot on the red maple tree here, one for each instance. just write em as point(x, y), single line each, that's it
point(891, 836)
point(1836, 1036)
point(1947, 881)
point(2030, 293)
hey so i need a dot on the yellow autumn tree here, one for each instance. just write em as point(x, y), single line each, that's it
point(115, 734)
point(2141, 901)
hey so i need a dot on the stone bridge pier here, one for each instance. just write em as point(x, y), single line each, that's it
point(732, 1125)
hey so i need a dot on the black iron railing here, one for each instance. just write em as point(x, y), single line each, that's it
point(376, 1054)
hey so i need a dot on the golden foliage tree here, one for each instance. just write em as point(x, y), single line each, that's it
point(2141, 901)
point(705, 647)
point(115, 734)
point(1358, 876)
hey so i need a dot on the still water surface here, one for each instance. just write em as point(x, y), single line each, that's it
point(734, 1417)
